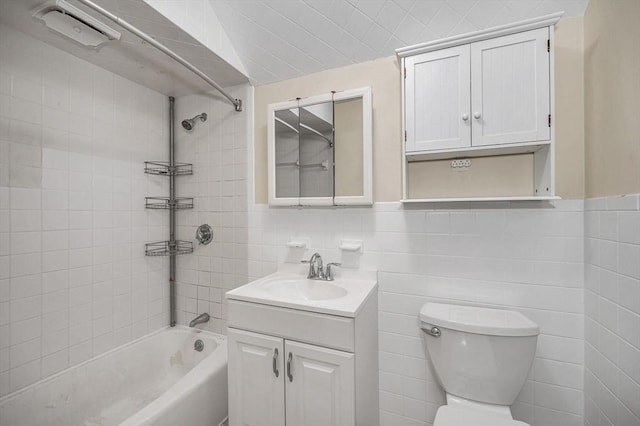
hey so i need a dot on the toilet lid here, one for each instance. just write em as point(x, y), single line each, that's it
point(456, 416)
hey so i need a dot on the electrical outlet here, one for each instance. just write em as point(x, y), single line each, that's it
point(463, 163)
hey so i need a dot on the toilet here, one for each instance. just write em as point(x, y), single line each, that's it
point(481, 357)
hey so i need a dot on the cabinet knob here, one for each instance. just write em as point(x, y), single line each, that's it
point(465, 117)
point(477, 115)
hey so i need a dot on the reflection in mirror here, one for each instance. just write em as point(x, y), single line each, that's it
point(349, 166)
point(320, 150)
point(287, 153)
point(316, 150)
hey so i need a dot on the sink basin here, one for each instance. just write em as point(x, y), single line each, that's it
point(304, 289)
point(290, 288)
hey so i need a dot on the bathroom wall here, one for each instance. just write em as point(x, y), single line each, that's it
point(74, 281)
point(383, 75)
point(218, 150)
point(612, 97)
point(525, 256)
point(612, 311)
point(522, 256)
point(612, 223)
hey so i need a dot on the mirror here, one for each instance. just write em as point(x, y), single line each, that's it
point(320, 150)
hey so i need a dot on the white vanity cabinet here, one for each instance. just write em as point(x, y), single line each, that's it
point(302, 368)
point(256, 393)
point(274, 381)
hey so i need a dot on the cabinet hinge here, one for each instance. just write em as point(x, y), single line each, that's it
point(405, 135)
point(549, 45)
point(405, 72)
point(549, 120)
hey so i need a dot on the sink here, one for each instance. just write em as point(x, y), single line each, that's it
point(290, 288)
point(304, 289)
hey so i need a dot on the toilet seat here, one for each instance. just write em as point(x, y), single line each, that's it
point(448, 415)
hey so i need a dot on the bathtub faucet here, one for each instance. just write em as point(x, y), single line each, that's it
point(199, 319)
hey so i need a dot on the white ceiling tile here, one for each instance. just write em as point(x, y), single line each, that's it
point(405, 4)
point(409, 30)
point(321, 6)
point(482, 14)
point(371, 8)
point(340, 11)
point(503, 16)
point(464, 27)
point(425, 10)
point(522, 9)
point(394, 43)
point(444, 21)
point(311, 35)
point(376, 37)
point(390, 16)
point(359, 24)
point(461, 6)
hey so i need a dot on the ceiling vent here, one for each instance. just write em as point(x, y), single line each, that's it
point(68, 20)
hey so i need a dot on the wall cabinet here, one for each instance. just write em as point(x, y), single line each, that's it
point(483, 94)
point(490, 92)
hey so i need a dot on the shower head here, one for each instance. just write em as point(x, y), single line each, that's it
point(189, 123)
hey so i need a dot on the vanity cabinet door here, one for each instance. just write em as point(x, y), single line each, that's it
point(319, 386)
point(256, 395)
point(437, 99)
point(510, 89)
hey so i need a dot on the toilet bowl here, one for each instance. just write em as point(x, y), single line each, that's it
point(481, 357)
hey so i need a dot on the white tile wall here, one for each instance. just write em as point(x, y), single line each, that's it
point(218, 150)
point(521, 256)
point(612, 311)
point(516, 256)
point(73, 278)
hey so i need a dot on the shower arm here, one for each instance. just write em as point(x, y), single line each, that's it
point(161, 47)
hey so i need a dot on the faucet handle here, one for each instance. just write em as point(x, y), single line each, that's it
point(329, 272)
point(315, 267)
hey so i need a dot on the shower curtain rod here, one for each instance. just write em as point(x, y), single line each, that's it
point(236, 102)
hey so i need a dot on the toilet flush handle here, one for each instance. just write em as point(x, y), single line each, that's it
point(434, 331)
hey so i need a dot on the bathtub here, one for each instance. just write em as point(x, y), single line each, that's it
point(159, 380)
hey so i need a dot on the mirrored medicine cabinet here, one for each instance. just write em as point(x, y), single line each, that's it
point(320, 150)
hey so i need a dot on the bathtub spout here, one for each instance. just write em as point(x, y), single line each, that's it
point(199, 319)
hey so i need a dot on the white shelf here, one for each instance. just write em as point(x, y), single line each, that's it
point(477, 199)
point(478, 151)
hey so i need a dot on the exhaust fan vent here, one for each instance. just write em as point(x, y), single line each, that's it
point(72, 22)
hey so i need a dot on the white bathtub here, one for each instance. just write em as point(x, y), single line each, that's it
point(158, 380)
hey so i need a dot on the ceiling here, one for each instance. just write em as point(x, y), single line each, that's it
point(282, 39)
point(132, 58)
point(273, 39)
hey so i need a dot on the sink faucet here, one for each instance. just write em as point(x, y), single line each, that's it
point(199, 319)
point(316, 268)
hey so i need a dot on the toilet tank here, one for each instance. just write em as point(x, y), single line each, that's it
point(481, 354)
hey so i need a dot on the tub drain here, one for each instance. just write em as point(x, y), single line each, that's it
point(198, 345)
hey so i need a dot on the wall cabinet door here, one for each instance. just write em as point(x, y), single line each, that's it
point(256, 393)
point(437, 100)
point(510, 89)
point(320, 386)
